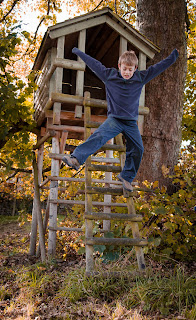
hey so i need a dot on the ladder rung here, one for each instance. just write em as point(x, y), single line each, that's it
point(115, 147)
point(117, 241)
point(94, 203)
point(106, 160)
point(113, 216)
point(99, 167)
point(66, 229)
point(100, 190)
point(92, 124)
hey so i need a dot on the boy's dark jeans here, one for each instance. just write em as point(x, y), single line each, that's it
point(108, 130)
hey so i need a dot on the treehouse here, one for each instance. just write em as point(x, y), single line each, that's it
point(70, 103)
point(64, 78)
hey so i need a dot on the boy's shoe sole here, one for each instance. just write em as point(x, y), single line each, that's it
point(126, 184)
point(71, 162)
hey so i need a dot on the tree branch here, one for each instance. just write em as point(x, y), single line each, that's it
point(12, 7)
point(36, 31)
point(98, 5)
point(192, 57)
point(16, 128)
point(115, 6)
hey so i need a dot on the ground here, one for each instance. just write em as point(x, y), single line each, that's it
point(59, 290)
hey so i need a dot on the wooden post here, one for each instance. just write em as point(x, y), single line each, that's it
point(59, 79)
point(80, 74)
point(53, 196)
point(123, 45)
point(38, 211)
point(33, 238)
point(88, 197)
point(142, 66)
point(64, 136)
point(136, 235)
point(108, 197)
point(55, 149)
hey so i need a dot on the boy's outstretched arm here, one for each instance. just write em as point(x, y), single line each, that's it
point(156, 69)
point(96, 66)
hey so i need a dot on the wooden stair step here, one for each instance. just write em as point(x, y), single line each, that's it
point(92, 124)
point(113, 216)
point(117, 241)
point(114, 147)
point(106, 160)
point(99, 167)
point(101, 190)
point(94, 203)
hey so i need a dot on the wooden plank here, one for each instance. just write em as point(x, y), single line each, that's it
point(94, 203)
point(117, 241)
point(88, 197)
point(69, 64)
point(106, 160)
point(108, 197)
point(132, 37)
point(66, 229)
point(64, 136)
point(80, 74)
point(59, 80)
point(53, 196)
point(108, 44)
point(136, 234)
point(113, 216)
point(69, 115)
point(73, 99)
point(38, 211)
point(95, 167)
point(113, 182)
point(76, 27)
point(142, 66)
point(50, 133)
point(123, 45)
point(106, 190)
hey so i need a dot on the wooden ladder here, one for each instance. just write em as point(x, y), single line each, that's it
point(112, 165)
point(108, 190)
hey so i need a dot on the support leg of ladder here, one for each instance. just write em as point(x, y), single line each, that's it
point(136, 234)
point(53, 196)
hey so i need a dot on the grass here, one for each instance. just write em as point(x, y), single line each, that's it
point(60, 290)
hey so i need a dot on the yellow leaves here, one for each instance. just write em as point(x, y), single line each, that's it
point(155, 184)
point(165, 171)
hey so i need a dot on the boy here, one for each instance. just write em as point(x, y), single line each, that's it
point(123, 89)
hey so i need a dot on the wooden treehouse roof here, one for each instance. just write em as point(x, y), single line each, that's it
point(101, 22)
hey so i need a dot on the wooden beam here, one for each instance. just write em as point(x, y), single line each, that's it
point(80, 74)
point(108, 44)
point(113, 216)
point(50, 133)
point(117, 241)
point(142, 66)
point(123, 45)
point(70, 115)
point(131, 37)
point(94, 203)
point(76, 27)
point(66, 229)
point(59, 79)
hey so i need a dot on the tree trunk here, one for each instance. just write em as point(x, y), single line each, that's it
point(163, 22)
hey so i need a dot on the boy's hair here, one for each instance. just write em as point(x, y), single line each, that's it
point(129, 58)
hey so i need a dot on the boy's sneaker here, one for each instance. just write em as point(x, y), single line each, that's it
point(71, 161)
point(126, 184)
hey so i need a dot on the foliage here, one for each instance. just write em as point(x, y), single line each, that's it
point(169, 219)
point(189, 115)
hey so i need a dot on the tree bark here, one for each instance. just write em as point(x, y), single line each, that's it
point(163, 22)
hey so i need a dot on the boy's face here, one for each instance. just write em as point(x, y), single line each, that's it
point(126, 71)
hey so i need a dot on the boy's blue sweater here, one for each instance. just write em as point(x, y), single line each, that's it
point(123, 95)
